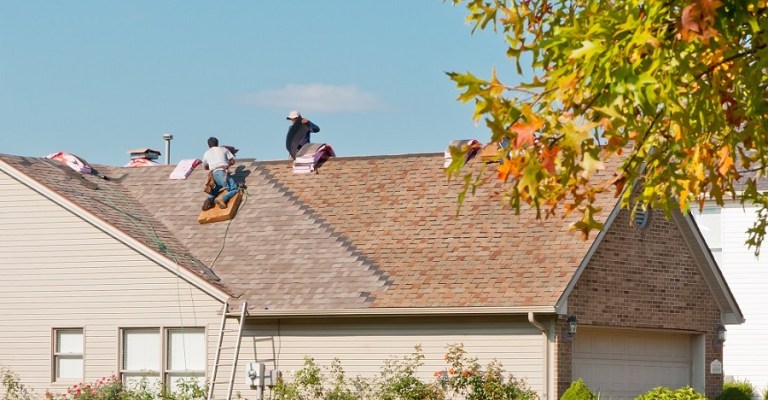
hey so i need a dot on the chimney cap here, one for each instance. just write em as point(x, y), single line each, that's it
point(144, 152)
point(167, 136)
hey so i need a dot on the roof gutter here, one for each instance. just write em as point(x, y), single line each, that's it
point(397, 311)
point(114, 232)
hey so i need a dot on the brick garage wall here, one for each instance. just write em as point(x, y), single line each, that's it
point(642, 279)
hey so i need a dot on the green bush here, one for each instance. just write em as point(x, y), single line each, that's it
point(111, 388)
point(765, 394)
point(578, 391)
point(662, 393)
point(464, 378)
point(737, 390)
point(14, 389)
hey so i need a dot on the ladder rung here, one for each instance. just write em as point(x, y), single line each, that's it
point(233, 315)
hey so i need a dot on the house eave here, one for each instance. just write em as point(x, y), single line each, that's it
point(397, 312)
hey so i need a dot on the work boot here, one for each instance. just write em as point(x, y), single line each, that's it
point(220, 203)
point(207, 204)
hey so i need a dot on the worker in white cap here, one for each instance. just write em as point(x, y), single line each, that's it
point(298, 133)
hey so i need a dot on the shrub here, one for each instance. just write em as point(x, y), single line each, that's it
point(311, 382)
point(111, 388)
point(765, 394)
point(578, 391)
point(662, 393)
point(398, 381)
point(466, 379)
point(737, 390)
point(14, 389)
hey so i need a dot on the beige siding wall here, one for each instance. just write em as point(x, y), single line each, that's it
point(58, 271)
point(362, 344)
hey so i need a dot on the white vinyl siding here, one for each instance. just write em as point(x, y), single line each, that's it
point(744, 351)
point(68, 355)
point(60, 271)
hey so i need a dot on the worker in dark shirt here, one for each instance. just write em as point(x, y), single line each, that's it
point(299, 132)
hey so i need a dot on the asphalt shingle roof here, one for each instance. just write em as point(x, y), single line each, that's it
point(363, 232)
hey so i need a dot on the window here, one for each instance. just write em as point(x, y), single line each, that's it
point(710, 225)
point(147, 359)
point(186, 356)
point(141, 357)
point(68, 355)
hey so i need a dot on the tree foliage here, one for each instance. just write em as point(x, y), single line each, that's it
point(671, 94)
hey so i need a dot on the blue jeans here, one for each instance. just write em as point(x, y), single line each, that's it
point(223, 181)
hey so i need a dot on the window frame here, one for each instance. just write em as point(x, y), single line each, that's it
point(57, 355)
point(702, 217)
point(164, 374)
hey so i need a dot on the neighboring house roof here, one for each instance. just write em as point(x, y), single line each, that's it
point(363, 234)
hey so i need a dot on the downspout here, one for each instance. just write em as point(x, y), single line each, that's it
point(548, 383)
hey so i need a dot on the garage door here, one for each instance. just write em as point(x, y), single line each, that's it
point(623, 364)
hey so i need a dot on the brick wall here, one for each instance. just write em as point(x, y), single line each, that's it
point(642, 279)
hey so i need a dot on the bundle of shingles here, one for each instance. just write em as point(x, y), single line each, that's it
point(311, 156)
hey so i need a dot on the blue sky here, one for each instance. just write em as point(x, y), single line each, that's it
point(97, 78)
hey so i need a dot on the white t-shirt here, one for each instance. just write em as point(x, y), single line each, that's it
point(217, 158)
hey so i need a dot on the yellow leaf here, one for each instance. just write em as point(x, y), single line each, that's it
point(589, 165)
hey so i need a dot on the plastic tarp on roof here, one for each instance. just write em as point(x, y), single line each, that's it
point(140, 162)
point(184, 168)
point(71, 161)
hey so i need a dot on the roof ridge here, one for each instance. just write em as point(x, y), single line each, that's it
point(314, 216)
point(350, 158)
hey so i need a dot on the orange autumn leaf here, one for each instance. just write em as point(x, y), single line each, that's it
point(504, 169)
point(526, 130)
point(697, 20)
point(726, 161)
point(548, 155)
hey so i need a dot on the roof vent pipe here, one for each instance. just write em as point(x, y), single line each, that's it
point(167, 137)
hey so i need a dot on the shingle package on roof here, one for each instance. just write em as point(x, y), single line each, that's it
point(311, 156)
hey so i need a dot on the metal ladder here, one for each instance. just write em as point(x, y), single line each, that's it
point(225, 315)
